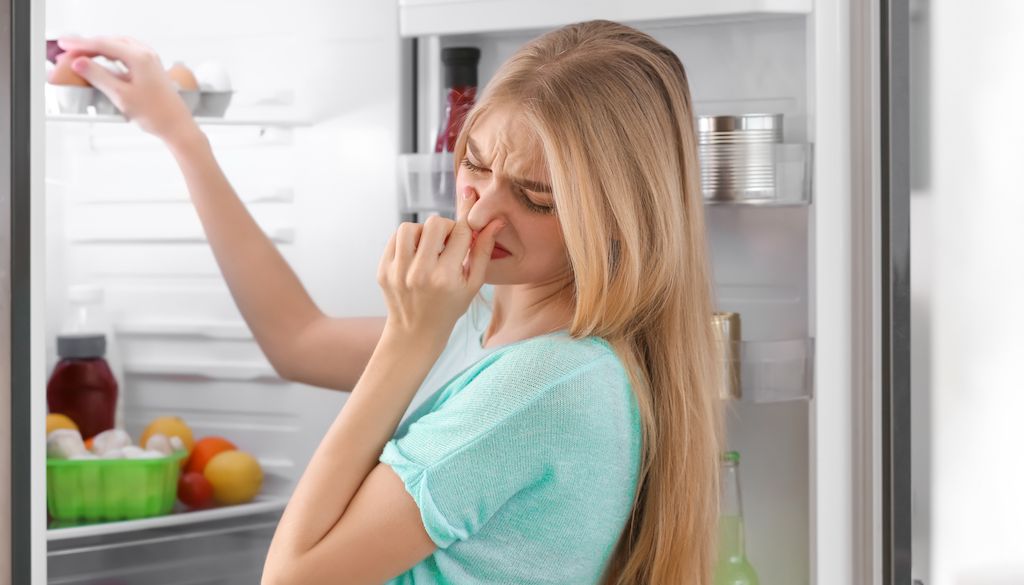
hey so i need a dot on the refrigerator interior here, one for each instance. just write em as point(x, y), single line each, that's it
point(760, 259)
point(309, 144)
point(325, 99)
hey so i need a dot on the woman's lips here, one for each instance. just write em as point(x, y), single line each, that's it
point(499, 252)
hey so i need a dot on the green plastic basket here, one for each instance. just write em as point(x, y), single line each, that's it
point(100, 490)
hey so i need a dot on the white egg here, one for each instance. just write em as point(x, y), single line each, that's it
point(133, 452)
point(177, 444)
point(115, 453)
point(149, 454)
point(85, 455)
point(159, 443)
point(64, 444)
point(109, 440)
point(212, 77)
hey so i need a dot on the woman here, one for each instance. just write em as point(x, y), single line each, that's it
point(580, 445)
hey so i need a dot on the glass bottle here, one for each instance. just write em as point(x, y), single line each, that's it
point(732, 568)
point(82, 385)
point(460, 79)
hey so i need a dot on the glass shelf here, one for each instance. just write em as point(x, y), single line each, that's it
point(427, 181)
point(202, 121)
point(179, 518)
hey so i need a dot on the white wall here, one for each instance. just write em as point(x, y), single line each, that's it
point(978, 296)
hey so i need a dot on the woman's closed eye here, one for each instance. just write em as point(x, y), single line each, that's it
point(522, 193)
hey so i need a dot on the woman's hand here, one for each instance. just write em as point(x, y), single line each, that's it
point(145, 93)
point(427, 278)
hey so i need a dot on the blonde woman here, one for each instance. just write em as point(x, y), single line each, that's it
point(572, 435)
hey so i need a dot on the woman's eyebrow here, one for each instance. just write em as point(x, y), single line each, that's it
point(535, 186)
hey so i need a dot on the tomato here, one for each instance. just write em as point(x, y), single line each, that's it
point(194, 490)
point(204, 450)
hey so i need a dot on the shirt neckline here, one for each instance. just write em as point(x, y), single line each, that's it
point(480, 339)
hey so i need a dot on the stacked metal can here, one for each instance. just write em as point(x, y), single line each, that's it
point(729, 337)
point(737, 155)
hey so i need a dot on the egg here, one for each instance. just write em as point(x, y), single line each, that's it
point(182, 76)
point(62, 73)
point(64, 444)
point(110, 440)
point(212, 77)
point(160, 443)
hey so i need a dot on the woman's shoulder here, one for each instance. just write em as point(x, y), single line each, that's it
point(552, 362)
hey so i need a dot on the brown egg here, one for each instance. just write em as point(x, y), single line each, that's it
point(62, 73)
point(183, 77)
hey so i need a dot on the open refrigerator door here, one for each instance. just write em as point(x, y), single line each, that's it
point(333, 105)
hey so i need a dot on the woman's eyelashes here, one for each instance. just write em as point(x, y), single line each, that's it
point(529, 203)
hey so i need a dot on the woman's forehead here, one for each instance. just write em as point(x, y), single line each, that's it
point(500, 132)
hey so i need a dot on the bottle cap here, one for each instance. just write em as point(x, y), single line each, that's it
point(460, 66)
point(731, 456)
point(81, 346)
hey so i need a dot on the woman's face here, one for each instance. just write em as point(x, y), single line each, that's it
point(504, 176)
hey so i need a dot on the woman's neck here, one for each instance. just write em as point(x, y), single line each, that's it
point(521, 311)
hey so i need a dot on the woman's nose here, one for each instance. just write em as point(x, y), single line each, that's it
point(482, 207)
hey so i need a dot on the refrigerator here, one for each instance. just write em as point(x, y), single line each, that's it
point(332, 103)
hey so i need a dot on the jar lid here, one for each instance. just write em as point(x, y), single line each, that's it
point(89, 345)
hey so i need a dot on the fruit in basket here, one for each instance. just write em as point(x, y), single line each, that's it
point(236, 477)
point(194, 490)
point(56, 421)
point(204, 450)
point(170, 427)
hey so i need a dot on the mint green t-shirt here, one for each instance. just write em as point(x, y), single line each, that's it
point(524, 465)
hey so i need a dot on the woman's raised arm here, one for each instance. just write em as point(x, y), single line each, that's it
point(301, 342)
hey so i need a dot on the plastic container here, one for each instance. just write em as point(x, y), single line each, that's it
point(427, 183)
point(102, 490)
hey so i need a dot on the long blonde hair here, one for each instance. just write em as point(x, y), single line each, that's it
point(611, 107)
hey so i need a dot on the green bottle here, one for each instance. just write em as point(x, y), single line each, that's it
point(733, 568)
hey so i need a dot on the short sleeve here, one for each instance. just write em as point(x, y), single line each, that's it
point(498, 436)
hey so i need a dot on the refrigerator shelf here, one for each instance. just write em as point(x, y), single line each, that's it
point(261, 505)
point(776, 371)
point(220, 330)
point(219, 370)
point(783, 174)
point(202, 121)
point(444, 17)
point(776, 175)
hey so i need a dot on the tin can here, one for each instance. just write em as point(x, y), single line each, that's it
point(729, 337)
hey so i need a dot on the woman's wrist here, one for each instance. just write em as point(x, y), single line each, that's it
point(186, 139)
point(396, 338)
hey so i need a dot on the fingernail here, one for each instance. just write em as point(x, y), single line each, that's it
point(80, 65)
point(467, 192)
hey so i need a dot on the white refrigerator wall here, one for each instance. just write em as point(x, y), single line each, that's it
point(318, 175)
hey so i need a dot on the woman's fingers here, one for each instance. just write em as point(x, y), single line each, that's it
point(110, 47)
point(480, 255)
point(407, 238)
point(97, 75)
point(459, 240)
